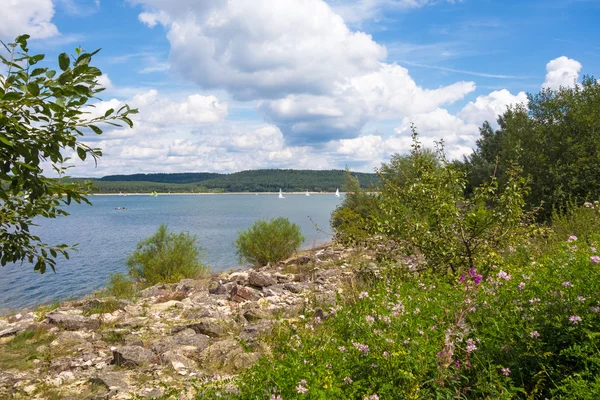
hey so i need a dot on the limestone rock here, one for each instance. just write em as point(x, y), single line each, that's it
point(72, 322)
point(239, 294)
point(177, 361)
point(113, 381)
point(260, 279)
point(132, 356)
point(210, 327)
point(256, 314)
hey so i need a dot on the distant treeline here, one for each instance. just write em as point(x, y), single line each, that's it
point(267, 180)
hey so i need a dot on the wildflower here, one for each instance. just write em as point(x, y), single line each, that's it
point(370, 319)
point(506, 371)
point(363, 295)
point(572, 238)
point(504, 275)
point(587, 204)
point(534, 334)
point(462, 279)
point(385, 354)
point(372, 397)
point(470, 346)
point(348, 380)
point(593, 249)
point(534, 300)
point(342, 348)
point(567, 284)
point(575, 319)
point(594, 259)
point(363, 348)
point(595, 309)
point(521, 285)
point(581, 298)
point(478, 279)
point(273, 397)
point(301, 389)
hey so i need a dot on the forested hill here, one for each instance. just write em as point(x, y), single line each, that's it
point(266, 180)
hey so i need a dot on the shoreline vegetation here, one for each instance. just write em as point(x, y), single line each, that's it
point(212, 193)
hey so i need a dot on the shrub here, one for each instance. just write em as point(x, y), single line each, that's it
point(581, 221)
point(268, 241)
point(166, 257)
point(120, 286)
point(430, 213)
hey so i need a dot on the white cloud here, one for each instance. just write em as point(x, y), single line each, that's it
point(262, 49)
point(27, 16)
point(105, 81)
point(359, 10)
point(562, 71)
point(487, 108)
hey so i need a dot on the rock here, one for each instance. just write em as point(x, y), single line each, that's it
point(132, 356)
point(209, 327)
point(241, 278)
point(133, 323)
point(10, 331)
point(188, 285)
point(72, 322)
point(195, 342)
point(291, 287)
point(154, 291)
point(177, 361)
point(260, 279)
point(222, 355)
point(256, 314)
point(166, 305)
point(221, 288)
point(196, 313)
point(252, 332)
point(283, 278)
point(239, 294)
point(113, 381)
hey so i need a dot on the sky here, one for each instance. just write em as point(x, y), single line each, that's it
point(232, 85)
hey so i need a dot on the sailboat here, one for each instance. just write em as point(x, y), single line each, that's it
point(337, 192)
point(281, 194)
point(308, 194)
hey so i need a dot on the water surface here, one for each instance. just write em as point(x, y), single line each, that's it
point(105, 236)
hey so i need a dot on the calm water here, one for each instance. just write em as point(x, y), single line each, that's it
point(106, 236)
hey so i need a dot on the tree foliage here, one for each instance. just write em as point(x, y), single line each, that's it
point(269, 241)
point(556, 140)
point(42, 119)
point(166, 257)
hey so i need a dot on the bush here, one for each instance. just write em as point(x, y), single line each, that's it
point(581, 221)
point(268, 241)
point(120, 286)
point(166, 257)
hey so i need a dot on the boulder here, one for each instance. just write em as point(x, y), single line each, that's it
point(209, 327)
point(196, 342)
point(256, 314)
point(239, 294)
point(177, 360)
point(72, 322)
point(132, 356)
point(260, 279)
point(113, 381)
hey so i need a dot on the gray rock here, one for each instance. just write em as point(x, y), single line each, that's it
point(177, 361)
point(154, 291)
point(209, 327)
point(197, 342)
point(256, 314)
point(132, 356)
point(292, 287)
point(113, 381)
point(72, 322)
point(260, 279)
point(221, 288)
point(11, 331)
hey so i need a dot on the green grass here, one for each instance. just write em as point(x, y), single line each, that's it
point(20, 352)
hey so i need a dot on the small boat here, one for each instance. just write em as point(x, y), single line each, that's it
point(308, 194)
point(154, 194)
point(337, 192)
point(281, 194)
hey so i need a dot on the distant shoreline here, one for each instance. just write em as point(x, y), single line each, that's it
point(196, 194)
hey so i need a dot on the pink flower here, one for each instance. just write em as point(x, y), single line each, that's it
point(506, 371)
point(273, 397)
point(348, 380)
point(342, 348)
point(595, 259)
point(575, 320)
point(581, 298)
point(567, 284)
point(362, 295)
point(504, 275)
point(572, 238)
point(370, 319)
point(534, 334)
point(470, 346)
point(521, 285)
point(372, 397)
point(593, 249)
point(363, 348)
point(301, 389)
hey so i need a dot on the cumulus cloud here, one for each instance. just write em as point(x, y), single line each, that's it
point(28, 16)
point(359, 10)
point(262, 49)
point(488, 107)
point(562, 71)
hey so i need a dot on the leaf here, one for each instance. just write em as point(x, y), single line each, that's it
point(50, 74)
point(64, 61)
point(127, 121)
point(96, 130)
point(81, 153)
point(38, 71)
point(33, 88)
point(10, 96)
point(108, 112)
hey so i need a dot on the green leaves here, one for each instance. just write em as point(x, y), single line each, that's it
point(64, 61)
point(40, 117)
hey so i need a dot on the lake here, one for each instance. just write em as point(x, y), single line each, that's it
point(106, 236)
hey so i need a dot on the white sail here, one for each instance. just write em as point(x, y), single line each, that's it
point(281, 194)
point(308, 194)
point(337, 192)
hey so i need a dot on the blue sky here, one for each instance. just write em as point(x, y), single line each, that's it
point(233, 85)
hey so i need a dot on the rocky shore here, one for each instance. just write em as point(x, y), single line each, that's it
point(173, 335)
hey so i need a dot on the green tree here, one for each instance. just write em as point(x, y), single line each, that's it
point(166, 257)
point(556, 140)
point(269, 241)
point(42, 114)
